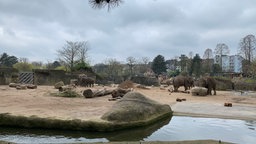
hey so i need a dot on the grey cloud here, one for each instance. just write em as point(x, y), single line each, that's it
point(139, 28)
point(47, 10)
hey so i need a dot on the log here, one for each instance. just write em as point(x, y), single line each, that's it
point(119, 92)
point(88, 93)
point(103, 92)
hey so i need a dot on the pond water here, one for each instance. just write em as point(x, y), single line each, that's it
point(175, 129)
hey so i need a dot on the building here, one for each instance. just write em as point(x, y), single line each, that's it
point(231, 63)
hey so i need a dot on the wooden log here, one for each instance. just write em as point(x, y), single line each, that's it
point(88, 93)
point(119, 92)
point(228, 104)
point(103, 92)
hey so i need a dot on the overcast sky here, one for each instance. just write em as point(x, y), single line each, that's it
point(36, 29)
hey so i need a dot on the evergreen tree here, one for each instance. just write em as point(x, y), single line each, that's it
point(7, 61)
point(159, 65)
point(196, 65)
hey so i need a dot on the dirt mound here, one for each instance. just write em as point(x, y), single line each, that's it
point(126, 84)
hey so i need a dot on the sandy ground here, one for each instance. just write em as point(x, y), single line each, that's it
point(39, 102)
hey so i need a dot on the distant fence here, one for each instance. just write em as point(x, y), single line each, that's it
point(26, 77)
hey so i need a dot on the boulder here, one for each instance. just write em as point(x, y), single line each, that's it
point(13, 85)
point(21, 87)
point(134, 109)
point(59, 84)
point(199, 91)
point(31, 86)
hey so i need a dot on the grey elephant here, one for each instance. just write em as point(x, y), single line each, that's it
point(185, 81)
point(209, 83)
point(86, 81)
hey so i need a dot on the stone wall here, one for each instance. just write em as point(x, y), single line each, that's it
point(148, 81)
point(8, 75)
point(50, 77)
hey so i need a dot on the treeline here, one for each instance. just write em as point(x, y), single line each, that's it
point(73, 57)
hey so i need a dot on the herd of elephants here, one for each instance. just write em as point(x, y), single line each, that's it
point(207, 82)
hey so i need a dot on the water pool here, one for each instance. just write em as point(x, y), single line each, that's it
point(175, 129)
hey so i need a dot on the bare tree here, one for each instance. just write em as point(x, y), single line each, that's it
point(83, 51)
point(145, 60)
point(208, 55)
point(23, 60)
point(114, 69)
point(72, 53)
point(142, 65)
point(220, 50)
point(247, 47)
point(131, 63)
point(190, 55)
point(37, 64)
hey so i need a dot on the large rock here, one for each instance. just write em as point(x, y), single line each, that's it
point(199, 91)
point(134, 109)
point(58, 84)
point(13, 85)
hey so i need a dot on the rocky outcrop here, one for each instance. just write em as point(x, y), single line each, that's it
point(134, 109)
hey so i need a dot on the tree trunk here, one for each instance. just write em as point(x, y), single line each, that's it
point(88, 93)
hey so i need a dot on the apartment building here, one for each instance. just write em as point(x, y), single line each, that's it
point(231, 63)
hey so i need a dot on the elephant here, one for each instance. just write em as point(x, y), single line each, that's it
point(209, 83)
point(86, 81)
point(169, 82)
point(185, 81)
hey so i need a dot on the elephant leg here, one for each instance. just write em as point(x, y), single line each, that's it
point(175, 88)
point(209, 91)
point(214, 91)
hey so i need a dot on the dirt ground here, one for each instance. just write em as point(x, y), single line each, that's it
point(39, 102)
